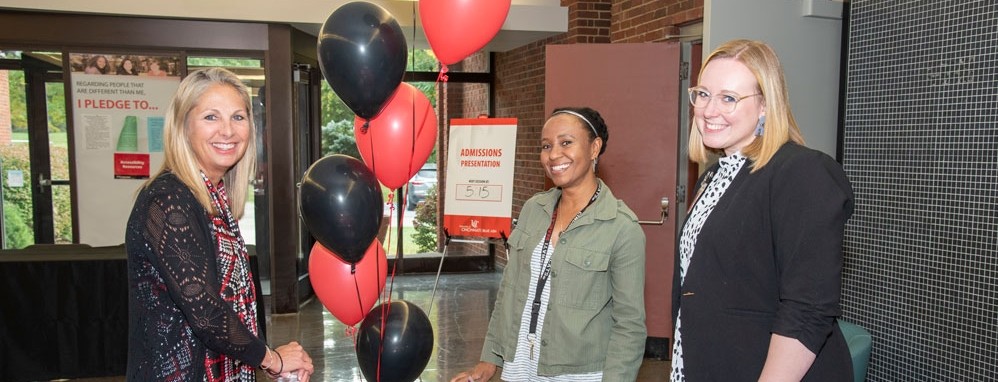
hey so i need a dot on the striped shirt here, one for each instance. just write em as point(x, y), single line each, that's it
point(523, 367)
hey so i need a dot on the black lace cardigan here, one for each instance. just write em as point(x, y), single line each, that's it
point(175, 311)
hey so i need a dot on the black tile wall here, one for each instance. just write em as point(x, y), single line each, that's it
point(921, 149)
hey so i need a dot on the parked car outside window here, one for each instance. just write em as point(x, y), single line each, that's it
point(423, 181)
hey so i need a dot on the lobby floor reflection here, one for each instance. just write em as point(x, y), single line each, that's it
point(459, 312)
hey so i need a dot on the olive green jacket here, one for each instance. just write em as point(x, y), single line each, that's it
point(596, 316)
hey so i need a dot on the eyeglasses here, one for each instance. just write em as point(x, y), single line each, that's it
point(726, 102)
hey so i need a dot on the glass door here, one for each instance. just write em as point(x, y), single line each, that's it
point(305, 105)
point(34, 155)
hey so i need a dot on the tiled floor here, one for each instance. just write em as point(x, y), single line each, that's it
point(459, 315)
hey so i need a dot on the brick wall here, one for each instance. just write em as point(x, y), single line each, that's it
point(5, 127)
point(652, 20)
point(589, 22)
point(475, 97)
point(519, 84)
point(463, 101)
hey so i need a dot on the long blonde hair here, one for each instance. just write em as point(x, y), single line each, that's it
point(780, 125)
point(179, 155)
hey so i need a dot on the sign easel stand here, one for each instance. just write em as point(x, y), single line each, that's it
point(450, 239)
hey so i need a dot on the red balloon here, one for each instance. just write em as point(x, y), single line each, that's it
point(458, 28)
point(349, 296)
point(387, 144)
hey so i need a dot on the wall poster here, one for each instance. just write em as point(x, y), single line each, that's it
point(119, 104)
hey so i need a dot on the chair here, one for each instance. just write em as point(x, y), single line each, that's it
point(860, 344)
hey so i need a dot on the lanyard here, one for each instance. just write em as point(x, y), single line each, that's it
point(535, 306)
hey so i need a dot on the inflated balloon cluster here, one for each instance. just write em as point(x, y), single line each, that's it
point(362, 53)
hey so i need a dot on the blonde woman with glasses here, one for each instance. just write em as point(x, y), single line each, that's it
point(758, 274)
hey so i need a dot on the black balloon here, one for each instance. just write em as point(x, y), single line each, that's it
point(362, 54)
point(340, 202)
point(407, 344)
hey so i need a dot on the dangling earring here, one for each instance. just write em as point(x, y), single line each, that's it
point(761, 126)
point(595, 161)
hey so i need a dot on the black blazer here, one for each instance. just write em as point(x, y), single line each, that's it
point(768, 260)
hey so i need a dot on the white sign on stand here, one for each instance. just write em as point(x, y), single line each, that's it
point(480, 161)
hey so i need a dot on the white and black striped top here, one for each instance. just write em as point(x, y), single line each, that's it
point(523, 368)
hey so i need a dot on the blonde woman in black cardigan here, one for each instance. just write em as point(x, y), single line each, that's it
point(760, 260)
point(191, 301)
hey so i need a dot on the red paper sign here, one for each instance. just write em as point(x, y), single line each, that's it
point(131, 166)
point(477, 226)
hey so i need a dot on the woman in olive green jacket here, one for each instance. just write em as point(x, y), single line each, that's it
point(583, 246)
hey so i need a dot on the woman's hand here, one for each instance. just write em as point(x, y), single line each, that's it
point(482, 372)
point(296, 361)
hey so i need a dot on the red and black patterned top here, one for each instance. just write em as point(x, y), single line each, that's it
point(191, 297)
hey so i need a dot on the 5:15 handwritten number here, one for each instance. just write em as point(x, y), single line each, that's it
point(481, 192)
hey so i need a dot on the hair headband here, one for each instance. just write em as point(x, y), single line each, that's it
point(580, 117)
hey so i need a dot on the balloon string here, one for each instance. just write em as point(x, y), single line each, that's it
point(374, 163)
point(391, 284)
point(386, 309)
point(351, 331)
point(385, 292)
point(442, 76)
point(391, 215)
point(356, 288)
point(382, 297)
point(389, 237)
point(412, 147)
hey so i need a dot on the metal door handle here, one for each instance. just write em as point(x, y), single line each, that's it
point(665, 213)
point(258, 186)
point(42, 183)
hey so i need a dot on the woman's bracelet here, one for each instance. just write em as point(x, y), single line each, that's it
point(282, 364)
point(265, 357)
